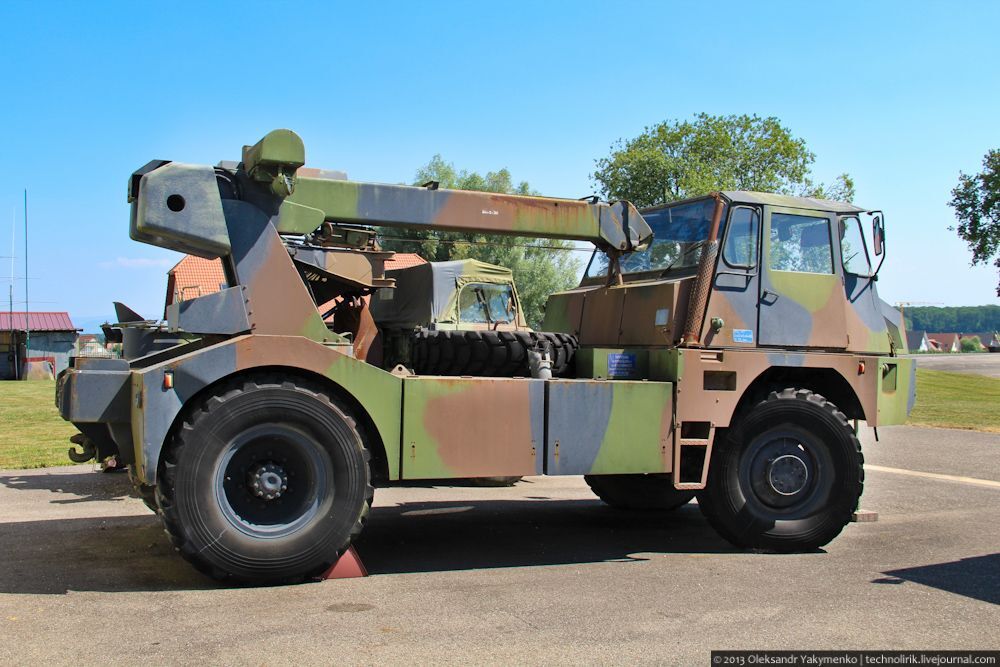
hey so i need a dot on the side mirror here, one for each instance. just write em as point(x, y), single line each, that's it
point(878, 234)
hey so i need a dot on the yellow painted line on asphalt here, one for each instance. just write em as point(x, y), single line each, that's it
point(975, 481)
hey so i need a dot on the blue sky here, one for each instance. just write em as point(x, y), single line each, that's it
point(902, 96)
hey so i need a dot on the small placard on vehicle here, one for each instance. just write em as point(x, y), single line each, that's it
point(742, 335)
point(621, 364)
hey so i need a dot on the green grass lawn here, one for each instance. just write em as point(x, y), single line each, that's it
point(33, 435)
point(957, 400)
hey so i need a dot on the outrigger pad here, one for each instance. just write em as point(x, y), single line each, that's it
point(349, 566)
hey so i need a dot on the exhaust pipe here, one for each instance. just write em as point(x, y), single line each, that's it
point(698, 301)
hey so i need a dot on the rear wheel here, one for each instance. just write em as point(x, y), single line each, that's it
point(267, 481)
point(638, 492)
point(787, 477)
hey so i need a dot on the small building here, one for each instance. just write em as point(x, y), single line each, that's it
point(93, 345)
point(193, 277)
point(41, 341)
point(916, 341)
point(947, 342)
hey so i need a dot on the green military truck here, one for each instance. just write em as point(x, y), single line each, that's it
point(461, 317)
point(729, 346)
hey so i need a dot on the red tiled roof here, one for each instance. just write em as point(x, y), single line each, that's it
point(193, 277)
point(945, 339)
point(47, 321)
point(404, 260)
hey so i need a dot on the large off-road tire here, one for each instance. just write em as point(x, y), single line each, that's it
point(487, 353)
point(638, 492)
point(266, 481)
point(788, 475)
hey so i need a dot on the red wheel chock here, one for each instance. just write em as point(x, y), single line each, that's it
point(348, 566)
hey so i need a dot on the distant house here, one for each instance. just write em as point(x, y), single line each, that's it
point(92, 345)
point(35, 344)
point(947, 342)
point(193, 277)
point(916, 341)
point(404, 260)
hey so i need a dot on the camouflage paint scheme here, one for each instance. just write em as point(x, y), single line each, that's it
point(639, 401)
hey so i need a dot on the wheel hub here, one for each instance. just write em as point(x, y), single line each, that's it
point(268, 481)
point(787, 474)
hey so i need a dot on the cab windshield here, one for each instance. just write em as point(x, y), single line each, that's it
point(679, 232)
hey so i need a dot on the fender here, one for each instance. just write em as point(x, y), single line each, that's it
point(161, 391)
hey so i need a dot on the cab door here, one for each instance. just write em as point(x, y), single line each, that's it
point(802, 301)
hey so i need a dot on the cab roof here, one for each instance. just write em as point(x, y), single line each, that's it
point(769, 199)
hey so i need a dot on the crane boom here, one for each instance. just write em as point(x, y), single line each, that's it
point(183, 207)
point(618, 225)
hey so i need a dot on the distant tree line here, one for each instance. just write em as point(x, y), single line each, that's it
point(953, 319)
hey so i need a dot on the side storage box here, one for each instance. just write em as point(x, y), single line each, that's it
point(472, 427)
point(608, 427)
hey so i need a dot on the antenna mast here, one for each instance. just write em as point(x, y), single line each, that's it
point(27, 310)
point(12, 350)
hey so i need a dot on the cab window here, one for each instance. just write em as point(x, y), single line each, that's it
point(800, 243)
point(741, 240)
point(852, 247)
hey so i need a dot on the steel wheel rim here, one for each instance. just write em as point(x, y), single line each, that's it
point(275, 456)
point(780, 471)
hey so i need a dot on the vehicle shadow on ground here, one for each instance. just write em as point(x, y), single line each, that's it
point(445, 536)
point(74, 487)
point(977, 577)
point(115, 554)
point(132, 553)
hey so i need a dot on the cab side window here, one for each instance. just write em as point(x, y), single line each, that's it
point(852, 247)
point(741, 240)
point(800, 243)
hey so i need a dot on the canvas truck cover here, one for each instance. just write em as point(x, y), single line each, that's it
point(428, 293)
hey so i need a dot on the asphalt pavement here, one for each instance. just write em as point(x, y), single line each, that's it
point(539, 573)
point(983, 363)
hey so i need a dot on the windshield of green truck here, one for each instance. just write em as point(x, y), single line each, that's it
point(679, 233)
point(486, 303)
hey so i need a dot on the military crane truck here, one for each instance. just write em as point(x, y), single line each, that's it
point(728, 347)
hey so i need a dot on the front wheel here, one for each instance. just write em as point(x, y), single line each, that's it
point(787, 477)
point(267, 481)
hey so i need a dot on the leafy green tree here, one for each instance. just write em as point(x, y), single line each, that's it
point(679, 159)
point(971, 344)
point(540, 266)
point(976, 200)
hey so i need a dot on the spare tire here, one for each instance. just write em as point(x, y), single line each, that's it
point(488, 353)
